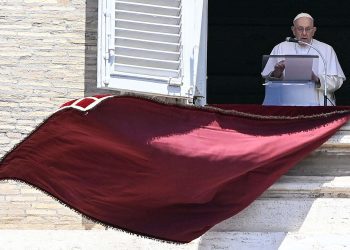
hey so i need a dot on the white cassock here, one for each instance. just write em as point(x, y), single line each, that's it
point(335, 74)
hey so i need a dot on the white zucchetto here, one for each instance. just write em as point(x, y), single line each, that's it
point(302, 15)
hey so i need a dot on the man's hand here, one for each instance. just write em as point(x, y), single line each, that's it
point(279, 68)
point(316, 79)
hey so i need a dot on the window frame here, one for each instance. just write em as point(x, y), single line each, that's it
point(191, 86)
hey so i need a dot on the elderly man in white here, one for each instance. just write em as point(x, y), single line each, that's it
point(304, 30)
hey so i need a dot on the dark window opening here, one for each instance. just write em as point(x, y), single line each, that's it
point(240, 32)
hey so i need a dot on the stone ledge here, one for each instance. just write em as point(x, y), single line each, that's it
point(310, 187)
point(310, 215)
point(110, 240)
point(333, 162)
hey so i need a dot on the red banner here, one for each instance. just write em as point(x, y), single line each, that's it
point(165, 171)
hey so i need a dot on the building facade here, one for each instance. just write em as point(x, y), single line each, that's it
point(49, 52)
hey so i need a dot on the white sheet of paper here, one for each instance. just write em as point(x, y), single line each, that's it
point(299, 69)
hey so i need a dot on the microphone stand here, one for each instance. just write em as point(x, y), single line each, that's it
point(325, 98)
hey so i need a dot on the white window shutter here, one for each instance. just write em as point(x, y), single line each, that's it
point(148, 46)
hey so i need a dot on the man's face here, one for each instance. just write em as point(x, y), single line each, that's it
point(304, 29)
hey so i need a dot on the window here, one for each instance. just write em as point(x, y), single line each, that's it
point(157, 47)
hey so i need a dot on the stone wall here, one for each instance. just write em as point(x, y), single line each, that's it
point(48, 56)
point(24, 207)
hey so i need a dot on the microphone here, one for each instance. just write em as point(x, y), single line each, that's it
point(292, 40)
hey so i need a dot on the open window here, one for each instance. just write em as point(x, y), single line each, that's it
point(155, 47)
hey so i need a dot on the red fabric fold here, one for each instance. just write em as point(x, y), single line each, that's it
point(165, 171)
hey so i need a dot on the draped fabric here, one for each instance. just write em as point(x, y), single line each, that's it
point(165, 171)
